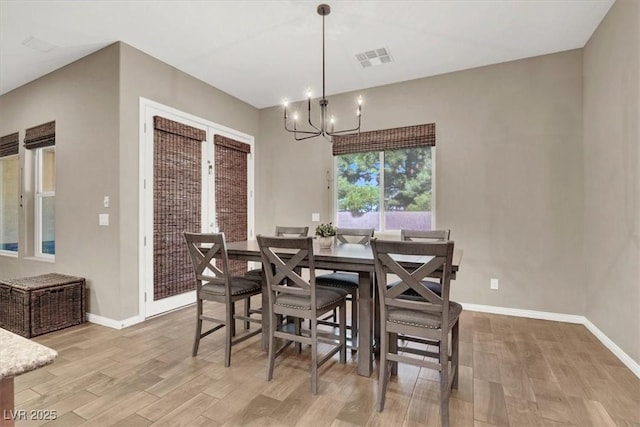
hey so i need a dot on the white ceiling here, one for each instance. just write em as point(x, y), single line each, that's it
point(263, 51)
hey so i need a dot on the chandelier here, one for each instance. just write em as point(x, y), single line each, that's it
point(326, 127)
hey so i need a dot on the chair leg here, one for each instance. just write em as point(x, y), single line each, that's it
point(393, 348)
point(229, 333)
point(383, 374)
point(247, 308)
point(314, 356)
point(455, 341)
point(297, 322)
point(232, 325)
point(444, 380)
point(354, 321)
point(272, 351)
point(196, 341)
point(343, 332)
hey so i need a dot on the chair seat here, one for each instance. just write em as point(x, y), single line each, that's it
point(432, 285)
point(239, 286)
point(338, 280)
point(423, 319)
point(324, 298)
point(254, 272)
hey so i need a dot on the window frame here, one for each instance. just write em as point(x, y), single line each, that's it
point(7, 252)
point(381, 184)
point(39, 197)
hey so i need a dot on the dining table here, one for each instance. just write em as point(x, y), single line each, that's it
point(348, 257)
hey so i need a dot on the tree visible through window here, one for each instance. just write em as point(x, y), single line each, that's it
point(396, 196)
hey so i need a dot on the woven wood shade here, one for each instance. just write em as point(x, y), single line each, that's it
point(40, 136)
point(231, 192)
point(177, 190)
point(386, 139)
point(9, 145)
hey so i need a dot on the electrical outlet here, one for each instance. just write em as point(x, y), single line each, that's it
point(315, 217)
point(494, 283)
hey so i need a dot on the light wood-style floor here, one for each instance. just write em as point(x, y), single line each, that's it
point(514, 372)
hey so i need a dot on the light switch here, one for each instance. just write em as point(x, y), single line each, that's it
point(315, 217)
point(106, 201)
point(103, 219)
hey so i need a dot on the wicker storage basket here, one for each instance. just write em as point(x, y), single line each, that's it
point(36, 305)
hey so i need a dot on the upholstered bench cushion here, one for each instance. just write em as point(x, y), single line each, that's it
point(324, 298)
point(338, 280)
point(239, 286)
point(256, 272)
point(422, 318)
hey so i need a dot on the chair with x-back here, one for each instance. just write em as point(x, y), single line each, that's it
point(428, 318)
point(296, 298)
point(407, 235)
point(213, 283)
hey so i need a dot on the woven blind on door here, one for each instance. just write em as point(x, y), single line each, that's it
point(9, 145)
point(177, 190)
point(386, 139)
point(231, 192)
point(40, 136)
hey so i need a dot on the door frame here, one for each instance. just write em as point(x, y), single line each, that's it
point(148, 109)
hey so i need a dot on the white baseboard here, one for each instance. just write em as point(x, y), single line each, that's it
point(617, 351)
point(559, 317)
point(115, 324)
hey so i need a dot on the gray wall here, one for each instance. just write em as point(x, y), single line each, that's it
point(509, 173)
point(83, 100)
point(612, 176)
point(144, 76)
point(95, 102)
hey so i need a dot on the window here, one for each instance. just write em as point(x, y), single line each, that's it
point(45, 202)
point(9, 202)
point(392, 197)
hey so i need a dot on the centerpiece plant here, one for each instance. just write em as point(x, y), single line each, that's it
point(326, 233)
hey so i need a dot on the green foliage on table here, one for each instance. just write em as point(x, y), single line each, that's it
point(326, 230)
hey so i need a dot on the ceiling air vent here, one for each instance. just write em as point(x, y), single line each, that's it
point(374, 57)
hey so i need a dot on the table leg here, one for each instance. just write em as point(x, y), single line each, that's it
point(266, 312)
point(365, 324)
point(7, 413)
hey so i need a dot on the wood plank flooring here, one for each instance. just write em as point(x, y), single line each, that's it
point(514, 372)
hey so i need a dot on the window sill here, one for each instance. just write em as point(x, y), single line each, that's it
point(35, 258)
point(9, 254)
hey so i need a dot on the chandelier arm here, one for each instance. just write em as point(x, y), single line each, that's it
point(295, 130)
point(306, 132)
point(305, 137)
point(340, 132)
point(309, 117)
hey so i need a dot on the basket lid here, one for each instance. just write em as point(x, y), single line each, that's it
point(42, 281)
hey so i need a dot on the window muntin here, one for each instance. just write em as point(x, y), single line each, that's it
point(45, 244)
point(9, 203)
point(401, 196)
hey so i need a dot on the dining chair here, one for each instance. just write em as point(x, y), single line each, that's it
point(424, 236)
point(213, 283)
point(291, 295)
point(347, 281)
point(281, 231)
point(431, 317)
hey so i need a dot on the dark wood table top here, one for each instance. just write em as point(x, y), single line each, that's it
point(354, 257)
